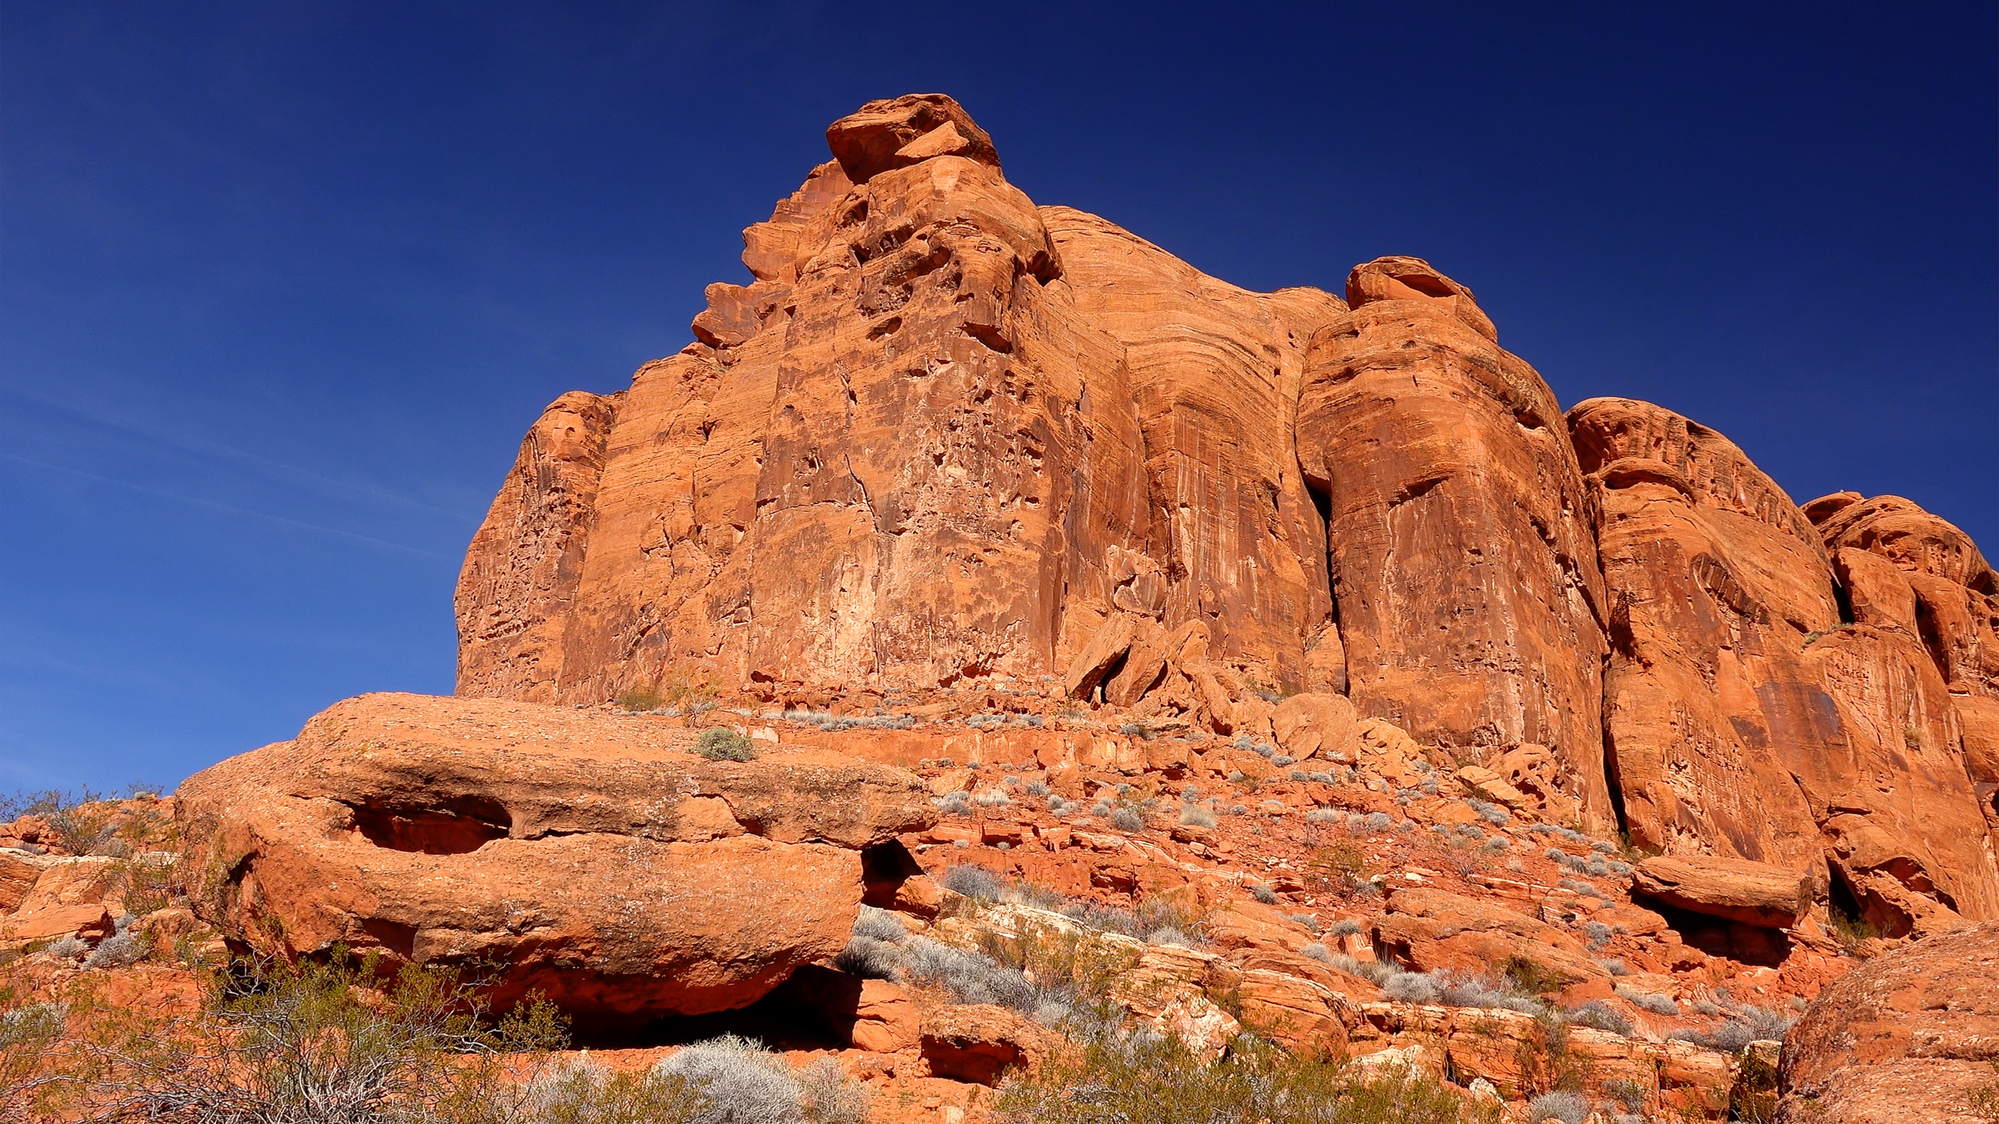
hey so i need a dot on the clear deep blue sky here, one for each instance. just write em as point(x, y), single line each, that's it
point(282, 284)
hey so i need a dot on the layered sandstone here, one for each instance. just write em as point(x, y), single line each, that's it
point(946, 440)
point(595, 857)
point(1463, 566)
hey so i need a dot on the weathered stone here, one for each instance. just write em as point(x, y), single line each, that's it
point(979, 1043)
point(1910, 1035)
point(1463, 569)
point(593, 855)
point(1733, 889)
point(1742, 717)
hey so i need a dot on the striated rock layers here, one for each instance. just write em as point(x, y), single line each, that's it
point(947, 438)
point(595, 857)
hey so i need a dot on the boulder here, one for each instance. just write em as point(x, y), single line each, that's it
point(979, 1043)
point(593, 855)
point(1910, 1035)
point(1731, 889)
point(1470, 604)
point(1316, 723)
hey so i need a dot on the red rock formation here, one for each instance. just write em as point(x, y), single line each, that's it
point(1740, 716)
point(1216, 370)
point(1912, 1035)
point(898, 458)
point(1913, 574)
point(945, 438)
point(594, 856)
point(1463, 567)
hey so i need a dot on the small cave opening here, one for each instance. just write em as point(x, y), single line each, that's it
point(1717, 936)
point(812, 1010)
point(884, 868)
point(457, 828)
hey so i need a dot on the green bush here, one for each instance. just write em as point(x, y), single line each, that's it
point(719, 744)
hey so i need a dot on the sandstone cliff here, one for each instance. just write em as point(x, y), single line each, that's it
point(947, 439)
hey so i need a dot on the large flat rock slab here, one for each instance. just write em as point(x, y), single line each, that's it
point(591, 856)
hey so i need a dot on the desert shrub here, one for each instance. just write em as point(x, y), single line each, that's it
point(1563, 1105)
point(879, 924)
point(734, 1081)
point(1628, 1093)
point(583, 1092)
point(1325, 815)
point(1596, 933)
point(869, 958)
point(718, 743)
point(1746, 1024)
point(955, 804)
point(1263, 893)
point(31, 1033)
point(1037, 788)
point(990, 798)
point(1490, 813)
point(119, 950)
point(1496, 844)
point(975, 882)
point(1614, 966)
point(1648, 1001)
point(1345, 926)
point(1377, 821)
point(69, 948)
point(1374, 971)
point(1317, 952)
point(1152, 1079)
point(1236, 810)
point(1283, 760)
point(1599, 1015)
point(1193, 815)
point(1983, 1100)
point(332, 1041)
point(1126, 819)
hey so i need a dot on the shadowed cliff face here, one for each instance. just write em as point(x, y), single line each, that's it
point(946, 438)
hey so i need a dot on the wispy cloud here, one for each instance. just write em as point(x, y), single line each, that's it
point(205, 447)
point(216, 505)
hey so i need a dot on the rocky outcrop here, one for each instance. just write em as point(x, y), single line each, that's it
point(899, 457)
point(1742, 716)
point(1911, 1035)
point(946, 440)
point(1732, 889)
point(1914, 575)
point(1215, 371)
point(595, 857)
point(1462, 562)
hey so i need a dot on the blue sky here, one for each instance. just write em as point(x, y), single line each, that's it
point(282, 285)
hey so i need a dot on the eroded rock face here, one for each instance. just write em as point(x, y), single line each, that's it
point(1238, 545)
point(1914, 575)
point(1742, 716)
point(593, 855)
point(900, 457)
point(949, 439)
point(1463, 568)
point(1911, 1035)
